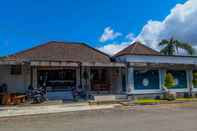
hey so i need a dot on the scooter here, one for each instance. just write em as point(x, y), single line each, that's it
point(38, 95)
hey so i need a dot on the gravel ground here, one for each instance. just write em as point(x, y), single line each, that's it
point(176, 117)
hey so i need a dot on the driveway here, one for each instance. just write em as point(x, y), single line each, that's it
point(176, 117)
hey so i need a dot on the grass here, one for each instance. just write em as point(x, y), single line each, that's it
point(185, 99)
point(146, 101)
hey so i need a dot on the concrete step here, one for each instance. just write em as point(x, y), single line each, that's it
point(109, 97)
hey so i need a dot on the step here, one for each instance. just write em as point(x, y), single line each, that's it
point(109, 97)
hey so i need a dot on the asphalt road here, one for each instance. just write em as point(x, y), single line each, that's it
point(148, 118)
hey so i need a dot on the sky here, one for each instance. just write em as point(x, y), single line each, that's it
point(108, 25)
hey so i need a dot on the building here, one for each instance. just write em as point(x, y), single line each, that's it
point(146, 70)
point(61, 67)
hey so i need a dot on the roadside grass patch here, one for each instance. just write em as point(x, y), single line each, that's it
point(146, 101)
point(186, 99)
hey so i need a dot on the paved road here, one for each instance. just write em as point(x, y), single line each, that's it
point(148, 118)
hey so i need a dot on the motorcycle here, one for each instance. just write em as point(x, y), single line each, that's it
point(38, 95)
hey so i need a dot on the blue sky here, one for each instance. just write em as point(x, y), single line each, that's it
point(26, 23)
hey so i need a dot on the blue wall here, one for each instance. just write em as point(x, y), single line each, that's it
point(146, 80)
point(181, 78)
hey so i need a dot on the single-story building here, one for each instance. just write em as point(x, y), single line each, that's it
point(146, 70)
point(62, 66)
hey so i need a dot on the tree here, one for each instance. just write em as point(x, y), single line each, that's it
point(172, 46)
point(169, 81)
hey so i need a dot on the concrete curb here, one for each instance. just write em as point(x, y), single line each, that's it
point(35, 110)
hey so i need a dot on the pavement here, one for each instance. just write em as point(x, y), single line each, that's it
point(48, 109)
point(172, 117)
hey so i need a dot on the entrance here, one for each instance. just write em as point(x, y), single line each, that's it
point(58, 82)
point(100, 80)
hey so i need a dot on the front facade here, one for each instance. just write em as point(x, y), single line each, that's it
point(61, 67)
point(146, 70)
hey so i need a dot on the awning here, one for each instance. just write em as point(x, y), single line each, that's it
point(112, 64)
point(2, 62)
point(54, 63)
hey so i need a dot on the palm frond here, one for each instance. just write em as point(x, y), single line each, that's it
point(168, 50)
point(163, 43)
point(187, 47)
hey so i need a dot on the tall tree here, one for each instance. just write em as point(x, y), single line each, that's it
point(172, 46)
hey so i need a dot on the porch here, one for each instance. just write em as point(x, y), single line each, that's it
point(61, 78)
point(149, 78)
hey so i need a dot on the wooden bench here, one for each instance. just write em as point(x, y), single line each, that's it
point(12, 98)
point(18, 99)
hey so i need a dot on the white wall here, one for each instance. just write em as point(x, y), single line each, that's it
point(16, 83)
point(158, 59)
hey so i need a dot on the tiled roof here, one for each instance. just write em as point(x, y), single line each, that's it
point(62, 51)
point(137, 49)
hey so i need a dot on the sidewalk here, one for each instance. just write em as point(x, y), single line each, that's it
point(46, 109)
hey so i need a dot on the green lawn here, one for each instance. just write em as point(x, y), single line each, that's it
point(146, 101)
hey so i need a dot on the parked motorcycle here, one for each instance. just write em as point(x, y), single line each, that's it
point(38, 95)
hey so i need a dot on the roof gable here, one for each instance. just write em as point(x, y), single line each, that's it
point(62, 51)
point(137, 49)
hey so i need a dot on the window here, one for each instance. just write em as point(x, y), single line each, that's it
point(61, 79)
point(16, 69)
point(180, 78)
point(99, 75)
point(146, 80)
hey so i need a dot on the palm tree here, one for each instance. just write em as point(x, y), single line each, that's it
point(172, 46)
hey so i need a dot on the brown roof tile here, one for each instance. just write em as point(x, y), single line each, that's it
point(62, 51)
point(137, 49)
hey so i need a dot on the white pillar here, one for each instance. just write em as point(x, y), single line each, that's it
point(162, 74)
point(88, 80)
point(35, 83)
point(189, 80)
point(130, 80)
point(78, 77)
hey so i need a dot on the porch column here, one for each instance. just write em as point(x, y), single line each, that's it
point(34, 77)
point(189, 81)
point(78, 77)
point(162, 74)
point(130, 80)
point(88, 86)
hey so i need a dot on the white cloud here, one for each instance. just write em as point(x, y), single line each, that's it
point(109, 34)
point(130, 37)
point(113, 48)
point(181, 24)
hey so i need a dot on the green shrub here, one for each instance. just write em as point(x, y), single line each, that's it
point(194, 81)
point(169, 96)
point(169, 81)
